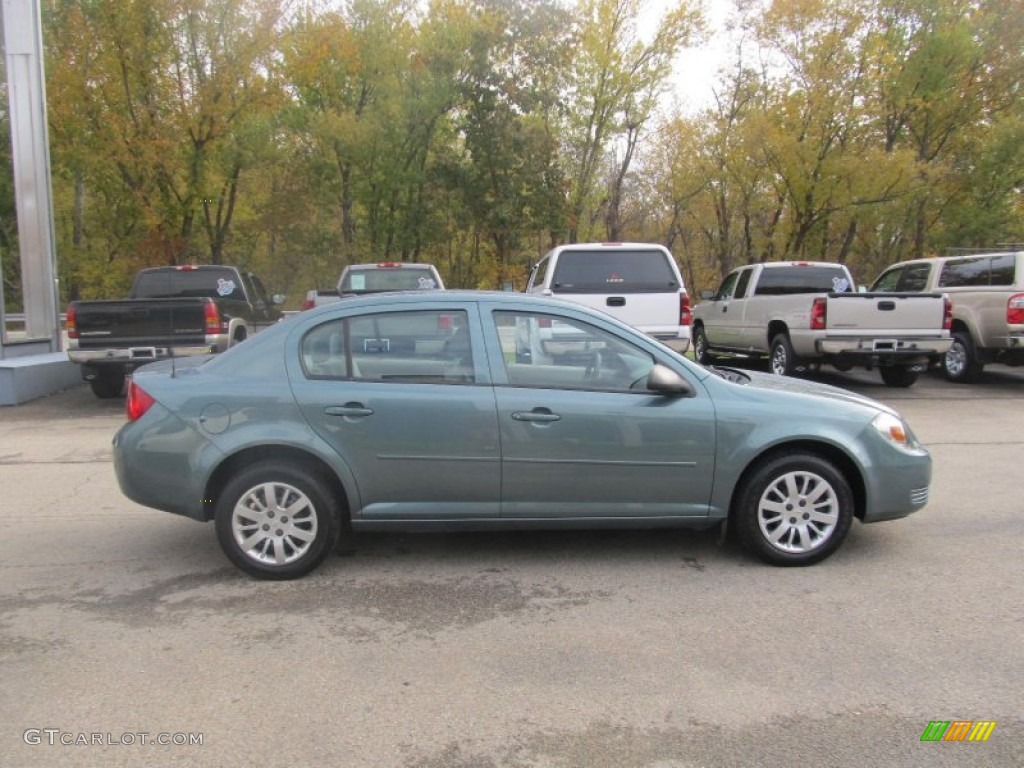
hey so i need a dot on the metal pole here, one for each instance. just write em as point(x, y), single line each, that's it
point(26, 89)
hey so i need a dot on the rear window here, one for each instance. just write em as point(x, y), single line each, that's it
point(174, 283)
point(388, 279)
point(790, 280)
point(619, 271)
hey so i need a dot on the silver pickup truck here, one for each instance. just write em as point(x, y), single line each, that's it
point(380, 277)
point(801, 314)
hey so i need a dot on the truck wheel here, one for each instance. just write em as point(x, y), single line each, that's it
point(276, 520)
point(794, 509)
point(783, 361)
point(898, 375)
point(700, 347)
point(107, 385)
point(959, 364)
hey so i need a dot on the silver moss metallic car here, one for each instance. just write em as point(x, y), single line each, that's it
point(462, 410)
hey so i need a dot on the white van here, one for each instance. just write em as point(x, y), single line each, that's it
point(637, 283)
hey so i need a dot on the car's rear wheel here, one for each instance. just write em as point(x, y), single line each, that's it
point(793, 509)
point(898, 375)
point(276, 520)
point(107, 385)
point(783, 360)
point(959, 363)
point(701, 352)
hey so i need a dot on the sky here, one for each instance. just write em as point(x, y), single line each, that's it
point(695, 68)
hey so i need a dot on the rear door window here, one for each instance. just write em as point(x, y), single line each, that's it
point(616, 272)
point(1003, 269)
point(965, 273)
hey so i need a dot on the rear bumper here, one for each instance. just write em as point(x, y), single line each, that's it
point(884, 348)
point(131, 357)
point(673, 333)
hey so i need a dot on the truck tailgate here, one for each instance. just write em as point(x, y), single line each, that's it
point(155, 322)
point(640, 310)
point(896, 314)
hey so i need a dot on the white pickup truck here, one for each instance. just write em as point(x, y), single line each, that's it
point(801, 314)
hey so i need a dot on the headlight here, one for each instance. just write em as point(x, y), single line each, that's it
point(895, 430)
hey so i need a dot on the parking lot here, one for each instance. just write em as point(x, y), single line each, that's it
point(515, 649)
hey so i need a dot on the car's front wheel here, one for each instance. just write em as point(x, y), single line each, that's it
point(793, 509)
point(276, 520)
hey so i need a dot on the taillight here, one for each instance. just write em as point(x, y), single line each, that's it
point(213, 324)
point(444, 322)
point(947, 313)
point(1015, 309)
point(819, 310)
point(137, 402)
point(543, 322)
point(71, 321)
point(685, 311)
point(309, 303)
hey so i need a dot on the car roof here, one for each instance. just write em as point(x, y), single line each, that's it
point(392, 265)
point(611, 246)
point(391, 298)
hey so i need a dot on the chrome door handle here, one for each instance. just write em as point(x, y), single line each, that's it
point(543, 417)
point(349, 409)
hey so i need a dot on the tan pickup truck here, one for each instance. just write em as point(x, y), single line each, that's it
point(801, 314)
point(987, 290)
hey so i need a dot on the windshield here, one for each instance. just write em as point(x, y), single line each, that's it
point(388, 279)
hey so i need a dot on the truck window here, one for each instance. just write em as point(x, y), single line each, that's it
point(537, 273)
point(782, 281)
point(725, 290)
point(914, 278)
point(964, 272)
point(388, 279)
point(639, 271)
point(741, 286)
point(1003, 269)
point(174, 283)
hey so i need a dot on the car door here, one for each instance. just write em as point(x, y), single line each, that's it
point(580, 435)
point(403, 397)
point(719, 323)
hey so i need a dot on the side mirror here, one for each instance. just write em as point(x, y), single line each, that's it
point(707, 295)
point(665, 381)
point(862, 289)
point(279, 298)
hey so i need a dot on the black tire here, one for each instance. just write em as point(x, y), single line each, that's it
point(108, 385)
point(898, 375)
point(766, 498)
point(282, 551)
point(960, 365)
point(782, 360)
point(701, 351)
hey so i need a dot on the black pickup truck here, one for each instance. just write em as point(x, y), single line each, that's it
point(170, 312)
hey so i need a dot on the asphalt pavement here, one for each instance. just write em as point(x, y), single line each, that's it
point(122, 627)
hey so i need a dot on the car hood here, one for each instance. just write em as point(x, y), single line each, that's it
point(774, 383)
